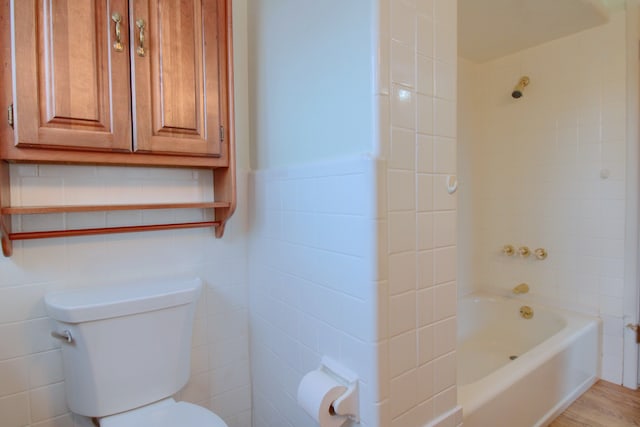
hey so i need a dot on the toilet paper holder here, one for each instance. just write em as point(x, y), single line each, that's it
point(347, 404)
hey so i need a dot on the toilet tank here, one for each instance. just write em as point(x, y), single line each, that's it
point(131, 344)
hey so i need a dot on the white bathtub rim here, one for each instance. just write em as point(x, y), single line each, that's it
point(474, 395)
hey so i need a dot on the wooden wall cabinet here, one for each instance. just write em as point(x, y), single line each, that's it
point(128, 82)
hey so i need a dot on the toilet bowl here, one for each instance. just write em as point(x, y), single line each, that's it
point(166, 413)
point(126, 350)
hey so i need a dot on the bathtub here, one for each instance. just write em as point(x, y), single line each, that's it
point(516, 372)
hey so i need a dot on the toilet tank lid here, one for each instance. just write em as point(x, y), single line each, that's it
point(104, 302)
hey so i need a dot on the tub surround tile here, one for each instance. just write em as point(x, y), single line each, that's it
point(554, 189)
point(402, 353)
point(429, 223)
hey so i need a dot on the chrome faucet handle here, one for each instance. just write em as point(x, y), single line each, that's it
point(524, 251)
point(508, 250)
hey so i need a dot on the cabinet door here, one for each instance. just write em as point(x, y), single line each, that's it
point(72, 86)
point(177, 75)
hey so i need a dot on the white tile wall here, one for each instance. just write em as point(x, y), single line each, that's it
point(313, 286)
point(421, 226)
point(31, 376)
point(534, 175)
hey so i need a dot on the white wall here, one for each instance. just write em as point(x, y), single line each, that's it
point(312, 63)
point(31, 387)
point(536, 166)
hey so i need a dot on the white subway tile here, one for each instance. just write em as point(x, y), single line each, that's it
point(445, 156)
point(403, 22)
point(65, 420)
point(403, 148)
point(14, 377)
point(23, 338)
point(45, 368)
point(445, 401)
point(404, 391)
point(445, 46)
point(425, 302)
point(402, 190)
point(426, 114)
point(402, 313)
point(47, 402)
point(37, 191)
point(445, 80)
point(15, 410)
point(26, 303)
point(402, 231)
point(444, 229)
point(426, 381)
point(403, 108)
point(445, 337)
point(425, 154)
point(425, 193)
point(425, 75)
point(43, 222)
point(402, 272)
point(445, 265)
point(426, 35)
point(403, 64)
point(445, 118)
point(402, 353)
point(425, 269)
point(232, 402)
point(446, 296)
point(426, 231)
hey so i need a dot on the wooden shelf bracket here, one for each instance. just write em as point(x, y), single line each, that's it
point(5, 220)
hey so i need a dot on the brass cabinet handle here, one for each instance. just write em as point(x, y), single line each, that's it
point(140, 24)
point(117, 45)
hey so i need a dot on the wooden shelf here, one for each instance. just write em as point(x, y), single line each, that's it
point(7, 236)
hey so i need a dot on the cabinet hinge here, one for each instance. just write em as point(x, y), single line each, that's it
point(636, 329)
point(221, 133)
point(10, 115)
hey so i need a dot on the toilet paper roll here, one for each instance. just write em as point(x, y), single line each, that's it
point(316, 392)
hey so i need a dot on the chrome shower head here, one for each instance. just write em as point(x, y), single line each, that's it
point(517, 91)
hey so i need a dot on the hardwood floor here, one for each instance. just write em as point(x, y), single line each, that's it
point(603, 405)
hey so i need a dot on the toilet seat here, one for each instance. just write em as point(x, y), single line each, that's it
point(166, 413)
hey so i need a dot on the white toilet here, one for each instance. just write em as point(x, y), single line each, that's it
point(126, 350)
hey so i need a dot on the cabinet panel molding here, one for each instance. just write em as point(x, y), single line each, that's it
point(72, 91)
point(177, 82)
